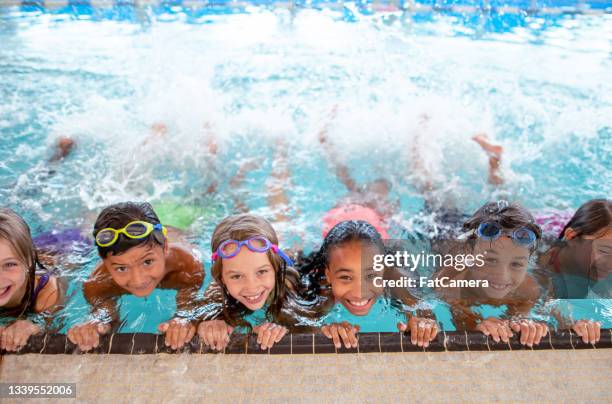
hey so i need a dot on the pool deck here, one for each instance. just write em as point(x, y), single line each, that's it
point(534, 376)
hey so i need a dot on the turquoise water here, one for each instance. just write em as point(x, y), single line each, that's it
point(540, 86)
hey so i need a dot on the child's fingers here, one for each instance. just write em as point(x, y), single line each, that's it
point(335, 337)
point(172, 336)
point(219, 338)
point(401, 327)
point(344, 335)
point(182, 335)
point(352, 333)
point(420, 332)
point(597, 327)
point(207, 335)
point(524, 332)
point(414, 331)
point(94, 337)
point(503, 334)
point(581, 330)
point(163, 327)
point(325, 331)
point(7, 339)
point(540, 332)
point(190, 334)
point(434, 331)
point(274, 335)
point(281, 334)
point(590, 331)
point(265, 338)
point(494, 332)
point(427, 334)
point(532, 333)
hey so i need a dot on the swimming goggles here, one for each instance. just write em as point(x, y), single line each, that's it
point(260, 244)
point(135, 230)
point(492, 231)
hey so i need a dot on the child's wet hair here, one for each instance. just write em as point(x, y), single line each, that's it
point(241, 227)
point(590, 218)
point(341, 234)
point(117, 216)
point(507, 215)
point(15, 231)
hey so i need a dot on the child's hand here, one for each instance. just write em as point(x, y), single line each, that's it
point(215, 333)
point(531, 332)
point(16, 335)
point(422, 330)
point(588, 330)
point(342, 331)
point(178, 332)
point(496, 328)
point(269, 333)
point(87, 336)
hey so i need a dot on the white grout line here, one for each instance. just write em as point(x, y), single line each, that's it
point(110, 343)
point(45, 343)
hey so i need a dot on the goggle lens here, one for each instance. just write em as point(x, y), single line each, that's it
point(105, 237)
point(136, 229)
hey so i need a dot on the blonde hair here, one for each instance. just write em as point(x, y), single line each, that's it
point(15, 231)
point(241, 227)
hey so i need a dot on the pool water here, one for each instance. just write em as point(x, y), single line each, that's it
point(261, 77)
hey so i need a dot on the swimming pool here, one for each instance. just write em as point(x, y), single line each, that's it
point(253, 75)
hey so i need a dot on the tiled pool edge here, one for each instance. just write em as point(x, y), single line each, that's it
point(136, 344)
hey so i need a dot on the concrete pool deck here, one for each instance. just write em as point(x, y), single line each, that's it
point(535, 376)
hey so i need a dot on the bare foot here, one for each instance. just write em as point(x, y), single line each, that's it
point(63, 148)
point(493, 150)
point(159, 129)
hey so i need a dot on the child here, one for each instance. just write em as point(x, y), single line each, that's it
point(504, 236)
point(369, 202)
point(137, 257)
point(342, 273)
point(253, 282)
point(25, 293)
point(579, 265)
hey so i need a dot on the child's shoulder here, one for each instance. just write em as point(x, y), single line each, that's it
point(182, 253)
point(49, 295)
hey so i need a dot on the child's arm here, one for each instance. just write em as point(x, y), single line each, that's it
point(214, 331)
point(342, 171)
point(186, 276)
point(17, 334)
point(101, 293)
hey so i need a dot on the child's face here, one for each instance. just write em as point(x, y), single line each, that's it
point(351, 277)
point(138, 270)
point(12, 275)
point(505, 266)
point(249, 278)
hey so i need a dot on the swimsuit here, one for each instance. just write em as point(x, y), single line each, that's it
point(354, 211)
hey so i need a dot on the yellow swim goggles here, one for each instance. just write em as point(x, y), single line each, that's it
point(138, 229)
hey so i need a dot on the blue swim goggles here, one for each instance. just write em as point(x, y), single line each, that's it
point(492, 231)
point(260, 244)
